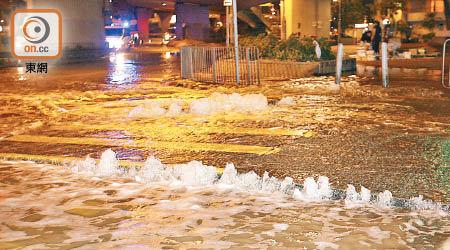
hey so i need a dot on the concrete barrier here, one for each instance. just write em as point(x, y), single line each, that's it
point(329, 67)
point(278, 70)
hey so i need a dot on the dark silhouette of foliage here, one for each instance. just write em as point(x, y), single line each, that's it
point(291, 49)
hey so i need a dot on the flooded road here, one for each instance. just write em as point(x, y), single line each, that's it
point(394, 139)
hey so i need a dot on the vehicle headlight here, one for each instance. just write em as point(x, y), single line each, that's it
point(114, 42)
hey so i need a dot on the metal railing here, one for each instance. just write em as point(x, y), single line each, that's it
point(219, 64)
point(443, 67)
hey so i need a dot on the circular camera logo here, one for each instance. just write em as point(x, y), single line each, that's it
point(36, 29)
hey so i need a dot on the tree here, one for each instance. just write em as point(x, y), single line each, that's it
point(357, 11)
point(352, 12)
point(388, 7)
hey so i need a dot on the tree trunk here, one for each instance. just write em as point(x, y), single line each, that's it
point(447, 13)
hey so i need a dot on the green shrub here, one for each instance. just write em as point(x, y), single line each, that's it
point(291, 49)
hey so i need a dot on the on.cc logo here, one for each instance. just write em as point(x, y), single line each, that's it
point(36, 34)
point(36, 29)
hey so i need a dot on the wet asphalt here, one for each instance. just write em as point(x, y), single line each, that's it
point(393, 139)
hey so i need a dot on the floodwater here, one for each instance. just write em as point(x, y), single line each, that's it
point(392, 139)
point(50, 207)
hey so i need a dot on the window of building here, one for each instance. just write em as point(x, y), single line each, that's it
point(437, 5)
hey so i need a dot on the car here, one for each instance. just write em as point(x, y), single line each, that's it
point(155, 39)
point(160, 38)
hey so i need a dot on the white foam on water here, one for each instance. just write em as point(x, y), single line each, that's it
point(287, 101)
point(384, 199)
point(280, 227)
point(218, 102)
point(152, 170)
point(85, 166)
point(195, 173)
point(321, 245)
point(251, 181)
point(277, 227)
point(109, 165)
point(313, 190)
point(417, 203)
point(148, 109)
point(324, 187)
point(351, 194)
point(192, 173)
point(355, 198)
point(175, 109)
point(365, 194)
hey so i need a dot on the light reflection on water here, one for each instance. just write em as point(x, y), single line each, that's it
point(21, 71)
point(121, 73)
point(132, 68)
point(167, 55)
point(400, 76)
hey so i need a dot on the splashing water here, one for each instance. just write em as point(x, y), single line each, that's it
point(384, 199)
point(216, 103)
point(195, 173)
point(287, 101)
point(353, 197)
point(313, 190)
point(235, 102)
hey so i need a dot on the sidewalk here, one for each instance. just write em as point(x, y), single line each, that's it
point(413, 63)
point(353, 49)
point(348, 49)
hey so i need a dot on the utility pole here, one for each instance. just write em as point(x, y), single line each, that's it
point(283, 19)
point(228, 24)
point(227, 4)
point(236, 43)
point(339, 21)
